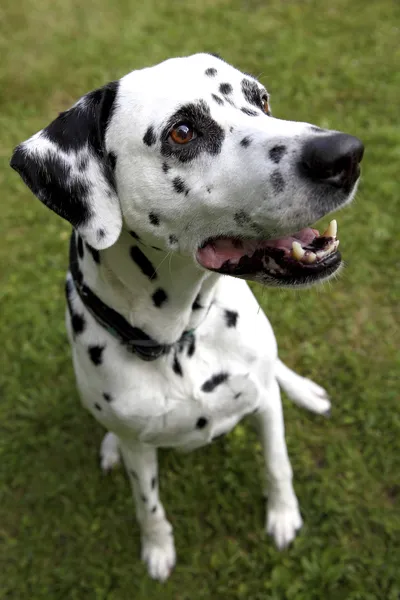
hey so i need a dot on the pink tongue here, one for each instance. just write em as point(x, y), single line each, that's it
point(214, 254)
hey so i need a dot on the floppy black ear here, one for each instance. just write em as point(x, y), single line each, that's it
point(67, 167)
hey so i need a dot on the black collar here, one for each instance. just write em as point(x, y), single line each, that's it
point(134, 339)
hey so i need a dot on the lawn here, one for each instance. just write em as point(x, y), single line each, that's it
point(66, 530)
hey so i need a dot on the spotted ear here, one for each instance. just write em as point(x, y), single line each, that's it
point(67, 167)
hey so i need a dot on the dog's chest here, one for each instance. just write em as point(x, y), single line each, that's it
point(201, 389)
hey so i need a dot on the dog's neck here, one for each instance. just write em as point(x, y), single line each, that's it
point(162, 293)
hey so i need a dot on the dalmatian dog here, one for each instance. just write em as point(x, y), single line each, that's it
point(180, 185)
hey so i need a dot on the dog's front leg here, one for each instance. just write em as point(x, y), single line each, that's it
point(158, 550)
point(283, 515)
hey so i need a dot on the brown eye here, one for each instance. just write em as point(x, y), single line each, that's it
point(182, 133)
point(265, 104)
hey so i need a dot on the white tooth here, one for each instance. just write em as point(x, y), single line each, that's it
point(310, 257)
point(297, 251)
point(332, 229)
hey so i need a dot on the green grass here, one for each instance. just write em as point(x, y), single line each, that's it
point(66, 530)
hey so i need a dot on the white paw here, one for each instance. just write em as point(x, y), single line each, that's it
point(159, 556)
point(282, 523)
point(109, 454)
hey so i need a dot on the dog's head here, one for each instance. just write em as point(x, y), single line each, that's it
point(187, 154)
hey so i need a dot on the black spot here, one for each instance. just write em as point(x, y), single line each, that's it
point(225, 88)
point(192, 346)
point(201, 423)
point(251, 92)
point(134, 474)
point(165, 167)
point(159, 297)
point(277, 182)
point(143, 263)
point(179, 186)
point(156, 248)
point(149, 137)
point(80, 246)
point(237, 396)
point(245, 142)
point(154, 219)
point(112, 159)
point(217, 99)
point(154, 509)
point(173, 240)
point(100, 233)
point(144, 498)
point(96, 354)
point(211, 72)
point(95, 253)
point(153, 483)
point(177, 367)
point(196, 304)
point(317, 129)
point(107, 397)
point(209, 190)
point(276, 153)
point(211, 133)
point(78, 323)
point(214, 381)
point(231, 129)
point(241, 218)
point(231, 317)
point(97, 406)
point(134, 235)
point(249, 112)
point(83, 163)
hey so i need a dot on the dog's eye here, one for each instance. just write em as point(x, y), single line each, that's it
point(265, 105)
point(182, 133)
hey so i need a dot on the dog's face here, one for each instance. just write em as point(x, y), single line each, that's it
point(187, 154)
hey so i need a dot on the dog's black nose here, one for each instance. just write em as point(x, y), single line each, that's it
point(333, 159)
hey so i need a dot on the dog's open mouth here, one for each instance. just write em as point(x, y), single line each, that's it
point(300, 258)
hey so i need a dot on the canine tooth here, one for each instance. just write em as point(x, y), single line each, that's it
point(297, 251)
point(332, 229)
point(310, 257)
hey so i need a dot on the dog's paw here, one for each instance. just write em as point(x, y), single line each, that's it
point(109, 454)
point(159, 555)
point(283, 522)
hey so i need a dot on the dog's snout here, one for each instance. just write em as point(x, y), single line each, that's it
point(333, 159)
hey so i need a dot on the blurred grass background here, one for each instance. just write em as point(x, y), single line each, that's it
point(66, 531)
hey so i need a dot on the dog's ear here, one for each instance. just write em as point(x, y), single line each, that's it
point(67, 167)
